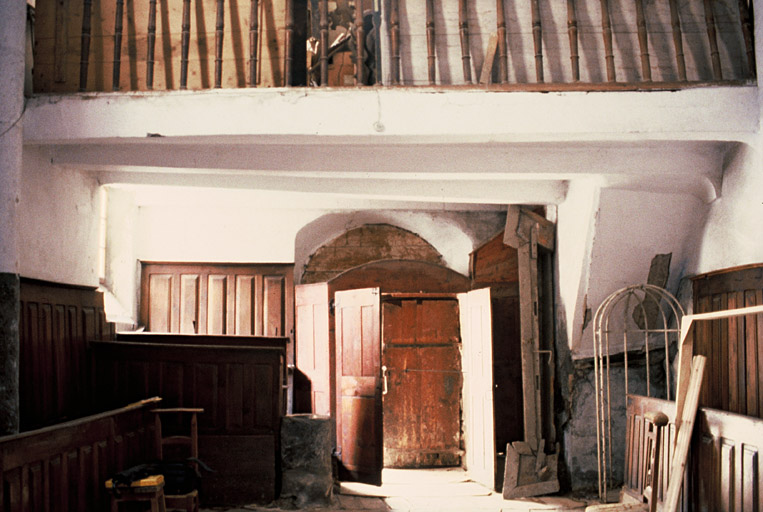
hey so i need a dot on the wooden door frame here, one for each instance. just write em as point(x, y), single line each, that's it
point(531, 234)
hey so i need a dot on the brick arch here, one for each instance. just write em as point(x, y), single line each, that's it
point(364, 244)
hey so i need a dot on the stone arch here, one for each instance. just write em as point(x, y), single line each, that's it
point(366, 244)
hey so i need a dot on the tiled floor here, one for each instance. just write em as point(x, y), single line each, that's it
point(444, 490)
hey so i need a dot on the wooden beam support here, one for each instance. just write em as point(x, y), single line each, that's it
point(118, 14)
point(394, 31)
point(323, 24)
point(360, 46)
point(712, 38)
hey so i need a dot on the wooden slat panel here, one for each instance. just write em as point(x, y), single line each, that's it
point(189, 303)
point(244, 305)
point(217, 304)
point(160, 303)
point(751, 356)
point(273, 305)
point(315, 355)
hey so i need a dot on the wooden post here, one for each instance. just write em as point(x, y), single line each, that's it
point(713, 40)
point(643, 41)
point(360, 45)
point(606, 32)
point(254, 37)
point(537, 40)
point(463, 31)
point(747, 32)
point(323, 9)
point(219, 30)
point(151, 43)
point(675, 23)
point(503, 69)
point(85, 46)
point(572, 31)
point(117, 44)
point(185, 39)
point(394, 31)
point(430, 42)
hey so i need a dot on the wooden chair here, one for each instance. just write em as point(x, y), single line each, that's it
point(150, 489)
point(188, 443)
point(651, 476)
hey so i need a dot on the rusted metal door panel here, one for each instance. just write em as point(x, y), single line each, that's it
point(358, 370)
point(423, 385)
point(477, 341)
point(314, 353)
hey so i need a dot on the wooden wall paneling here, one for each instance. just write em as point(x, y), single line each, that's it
point(189, 303)
point(64, 467)
point(314, 353)
point(238, 386)
point(244, 305)
point(56, 321)
point(734, 346)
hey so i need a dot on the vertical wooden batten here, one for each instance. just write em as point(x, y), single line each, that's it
point(713, 40)
point(394, 29)
point(463, 32)
point(61, 36)
point(606, 33)
point(151, 41)
point(572, 31)
point(360, 46)
point(537, 40)
point(85, 45)
point(254, 36)
point(643, 41)
point(503, 70)
point(119, 13)
point(219, 31)
point(675, 23)
point(430, 41)
point(185, 39)
point(324, 42)
point(288, 36)
point(747, 32)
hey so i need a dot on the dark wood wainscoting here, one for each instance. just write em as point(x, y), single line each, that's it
point(65, 466)
point(240, 388)
point(55, 323)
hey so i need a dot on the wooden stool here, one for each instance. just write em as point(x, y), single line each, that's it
point(150, 489)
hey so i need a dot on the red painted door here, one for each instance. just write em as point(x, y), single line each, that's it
point(422, 398)
point(358, 371)
point(315, 355)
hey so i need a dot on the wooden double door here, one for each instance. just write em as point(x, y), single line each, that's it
point(395, 369)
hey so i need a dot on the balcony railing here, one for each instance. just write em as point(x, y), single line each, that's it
point(81, 45)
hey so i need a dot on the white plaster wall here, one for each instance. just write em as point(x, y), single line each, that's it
point(632, 227)
point(121, 279)
point(58, 222)
point(576, 223)
point(733, 234)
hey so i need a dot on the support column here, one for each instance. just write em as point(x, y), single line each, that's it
point(12, 47)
